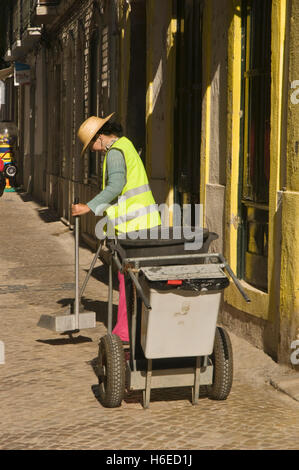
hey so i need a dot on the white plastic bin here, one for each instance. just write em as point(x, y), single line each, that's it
point(181, 323)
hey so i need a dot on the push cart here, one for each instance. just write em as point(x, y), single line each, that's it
point(173, 300)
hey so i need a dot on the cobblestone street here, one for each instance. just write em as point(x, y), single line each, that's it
point(49, 390)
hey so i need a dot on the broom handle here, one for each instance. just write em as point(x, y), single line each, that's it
point(76, 201)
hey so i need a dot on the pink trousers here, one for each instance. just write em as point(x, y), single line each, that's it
point(121, 327)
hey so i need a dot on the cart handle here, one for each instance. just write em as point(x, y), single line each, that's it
point(197, 255)
point(135, 280)
point(234, 278)
point(139, 289)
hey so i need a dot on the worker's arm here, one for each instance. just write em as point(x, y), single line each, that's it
point(116, 169)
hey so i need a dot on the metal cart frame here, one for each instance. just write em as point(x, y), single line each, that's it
point(148, 378)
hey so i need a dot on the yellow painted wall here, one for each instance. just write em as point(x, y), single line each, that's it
point(261, 303)
point(289, 279)
point(232, 169)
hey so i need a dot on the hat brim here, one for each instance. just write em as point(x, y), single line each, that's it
point(86, 145)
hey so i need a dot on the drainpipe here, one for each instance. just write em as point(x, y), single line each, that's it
point(30, 185)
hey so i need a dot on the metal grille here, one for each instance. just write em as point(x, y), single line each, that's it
point(255, 144)
point(105, 58)
point(257, 85)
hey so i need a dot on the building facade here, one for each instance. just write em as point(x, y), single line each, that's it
point(207, 90)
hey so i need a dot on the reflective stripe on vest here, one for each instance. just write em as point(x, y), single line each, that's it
point(136, 208)
point(141, 189)
point(133, 192)
point(133, 215)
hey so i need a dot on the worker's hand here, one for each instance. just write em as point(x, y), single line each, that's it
point(79, 209)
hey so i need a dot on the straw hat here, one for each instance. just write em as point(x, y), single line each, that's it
point(89, 128)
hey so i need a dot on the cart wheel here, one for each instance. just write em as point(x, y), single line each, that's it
point(222, 359)
point(111, 367)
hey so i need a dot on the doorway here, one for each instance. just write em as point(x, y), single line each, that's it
point(137, 77)
point(188, 103)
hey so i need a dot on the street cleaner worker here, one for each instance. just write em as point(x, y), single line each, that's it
point(126, 198)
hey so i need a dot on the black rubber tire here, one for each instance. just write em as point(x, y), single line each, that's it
point(10, 170)
point(111, 371)
point(222, 360)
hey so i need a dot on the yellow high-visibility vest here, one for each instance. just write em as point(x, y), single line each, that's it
point(136, 208)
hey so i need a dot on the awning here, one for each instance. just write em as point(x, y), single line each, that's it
point(6, 73)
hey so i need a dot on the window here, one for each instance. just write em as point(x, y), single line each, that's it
point(105, 58)
point(255, 142)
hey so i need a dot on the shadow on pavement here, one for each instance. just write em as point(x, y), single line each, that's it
point(48, 215)
point(157, 394)
point(69, 340)
point(26, 197)
point(163, 394)
point(100, 307)
point(101, 310)
point(101, 273)
point(136, 399)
